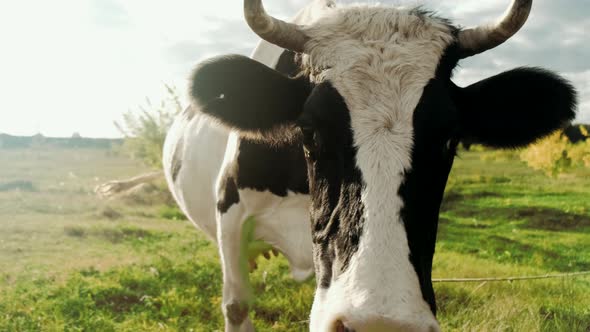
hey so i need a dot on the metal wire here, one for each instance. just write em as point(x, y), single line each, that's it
point(510, 279)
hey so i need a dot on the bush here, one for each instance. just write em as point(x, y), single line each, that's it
point(580, 152)
point(145, 130)
point(555, 154)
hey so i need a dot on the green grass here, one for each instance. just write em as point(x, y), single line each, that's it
point(69, 262)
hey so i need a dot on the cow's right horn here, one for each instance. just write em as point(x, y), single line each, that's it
point(274, 31)
point(482, 38)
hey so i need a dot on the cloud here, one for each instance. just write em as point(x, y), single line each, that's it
point(77, 65)
point(230, 36)
point(581, 81)
point(109, 13)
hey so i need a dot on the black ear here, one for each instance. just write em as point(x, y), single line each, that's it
point(246, 95)
point(515, 108)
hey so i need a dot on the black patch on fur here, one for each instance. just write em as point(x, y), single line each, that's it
point(435, 125)
point(509, 110)
point(278, 169)
point(247, 95)
point(228, 195)
point(335, 182)
point(236, 313)
point(515, 108)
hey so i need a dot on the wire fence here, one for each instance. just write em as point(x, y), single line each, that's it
point(510, 279)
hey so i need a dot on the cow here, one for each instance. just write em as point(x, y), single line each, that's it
point(339, 143)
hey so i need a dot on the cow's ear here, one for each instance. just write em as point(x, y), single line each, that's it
point(246, 95)
point(515, 108)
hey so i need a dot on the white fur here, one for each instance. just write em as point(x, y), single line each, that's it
point(203, 146)
point(381, 75)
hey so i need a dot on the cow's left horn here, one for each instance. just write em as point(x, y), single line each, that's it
point(482, 38)
point(274, 31)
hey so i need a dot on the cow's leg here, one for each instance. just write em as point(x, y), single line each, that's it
point(237, 293)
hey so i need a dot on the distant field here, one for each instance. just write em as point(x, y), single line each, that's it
point(69, 262)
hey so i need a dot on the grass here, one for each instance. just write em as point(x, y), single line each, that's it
point(69, 262)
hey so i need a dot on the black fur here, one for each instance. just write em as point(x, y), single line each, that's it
point(335, 182)
point(278, 169)
point(243, 93)
point(228, 194)
point(435, 140)
point(515, 108)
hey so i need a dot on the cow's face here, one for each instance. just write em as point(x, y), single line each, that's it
point(374, 225)
point(379, 122)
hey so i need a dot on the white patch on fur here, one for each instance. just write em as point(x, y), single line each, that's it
point(283, 222)
point(381, 74)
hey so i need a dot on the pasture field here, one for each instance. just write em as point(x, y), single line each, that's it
point(70, 262)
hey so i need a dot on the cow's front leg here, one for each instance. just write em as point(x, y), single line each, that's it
point(237, 293)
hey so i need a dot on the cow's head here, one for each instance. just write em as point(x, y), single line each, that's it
point(380, 119)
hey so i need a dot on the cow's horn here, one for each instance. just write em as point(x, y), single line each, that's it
point(482, 38)
point(274, 31)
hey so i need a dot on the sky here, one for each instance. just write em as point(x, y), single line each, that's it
point(77, 65)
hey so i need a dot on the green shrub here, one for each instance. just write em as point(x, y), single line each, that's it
point(146, 128)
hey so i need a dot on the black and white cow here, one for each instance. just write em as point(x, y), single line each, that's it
point(370, 118)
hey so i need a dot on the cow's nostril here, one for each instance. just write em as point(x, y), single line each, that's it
point(340, 327)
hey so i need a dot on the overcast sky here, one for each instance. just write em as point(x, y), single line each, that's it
point(76, 65)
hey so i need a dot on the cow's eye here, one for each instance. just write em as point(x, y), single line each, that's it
point(309, 137)
point(310, 141)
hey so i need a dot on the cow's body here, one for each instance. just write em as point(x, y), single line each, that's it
point(207, 166)
point(363, 138)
